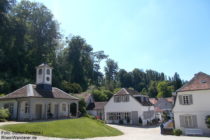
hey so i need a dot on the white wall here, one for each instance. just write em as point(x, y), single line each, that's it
point(2, 102)
point(132, 105)
point(200, 108)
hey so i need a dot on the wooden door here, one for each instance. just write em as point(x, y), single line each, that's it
point(38, 111)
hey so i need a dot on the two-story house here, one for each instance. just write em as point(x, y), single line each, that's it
point(192, 105)
point(129, 107)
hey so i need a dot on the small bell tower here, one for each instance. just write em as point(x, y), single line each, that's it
point(44, 77)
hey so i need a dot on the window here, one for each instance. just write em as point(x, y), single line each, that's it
point(148, 114)
point(185, 99)
point(10, 107)
point(48, 71)
point(48, 78)
point(40, 71)
point(118, 115)
point(188, 121)
point(27, 107)
point(64, 107)
point(121, 98)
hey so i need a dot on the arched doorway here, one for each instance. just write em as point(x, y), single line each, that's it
point(73, 109)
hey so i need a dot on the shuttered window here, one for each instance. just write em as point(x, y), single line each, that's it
point(185, 99)
point(188, 121)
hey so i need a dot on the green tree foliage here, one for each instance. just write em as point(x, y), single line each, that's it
point(102, 94)
point(4, 114)
point(164, 89)
point(124, 78)
point(177, 82)
point(29, 36)
point(152, 90)
point(111, 69)
point(71, 87)
point(28, 39)
point(82, 107)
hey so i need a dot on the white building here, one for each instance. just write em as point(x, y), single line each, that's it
point(129, 107)
point(40, 101)
point(192, 105)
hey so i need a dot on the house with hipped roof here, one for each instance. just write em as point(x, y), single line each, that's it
point(192, 106)
point(128, 106)
point(40, 101)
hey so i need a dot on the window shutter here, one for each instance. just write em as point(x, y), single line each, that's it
point(191, 99)
point(182, 122)
point(195, 124)
point(181, 99)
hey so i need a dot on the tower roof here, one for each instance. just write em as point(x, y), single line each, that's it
point(44, 65)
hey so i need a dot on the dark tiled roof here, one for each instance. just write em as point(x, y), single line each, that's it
point(144, 102)
point(200, 81)
point(99, 105)
point(31, 90)
point(126, 91)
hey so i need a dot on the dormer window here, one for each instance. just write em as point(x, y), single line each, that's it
point(40, 71)
point(203, 81)
point(48, 71)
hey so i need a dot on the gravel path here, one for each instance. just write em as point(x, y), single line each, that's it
point(130, 133)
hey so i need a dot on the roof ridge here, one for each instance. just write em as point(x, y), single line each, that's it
point(66, 93)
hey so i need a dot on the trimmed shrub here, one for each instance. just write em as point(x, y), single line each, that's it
point(177, 132)
point(4, 114)
point(120, 121)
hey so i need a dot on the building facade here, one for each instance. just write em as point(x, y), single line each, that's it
point(192, 105)
point(129, 107)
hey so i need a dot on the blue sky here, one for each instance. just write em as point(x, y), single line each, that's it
point(164, 35)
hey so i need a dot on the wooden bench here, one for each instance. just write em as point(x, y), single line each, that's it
point(195, 132)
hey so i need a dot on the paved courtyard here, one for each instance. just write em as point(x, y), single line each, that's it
point(130, 133)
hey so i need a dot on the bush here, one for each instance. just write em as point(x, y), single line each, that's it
point(4, 114)
point(121, 122)
point(177, 132)
point(71, 87)
point(90, 116)
point(82, 107)
point(208, 121)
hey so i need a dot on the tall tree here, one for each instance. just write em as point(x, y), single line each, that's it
point(111, 69)
point(97, 75)
point(177, 82)
point(79, 62)
point(124, 78)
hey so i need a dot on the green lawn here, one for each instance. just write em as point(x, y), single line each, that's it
point(70, 128)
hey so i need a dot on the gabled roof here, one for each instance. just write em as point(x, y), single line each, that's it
point(125, 91)
point(31, 90)
point(200, 81)
point(135, 94)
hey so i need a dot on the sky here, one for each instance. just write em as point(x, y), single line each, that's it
point(164, 35)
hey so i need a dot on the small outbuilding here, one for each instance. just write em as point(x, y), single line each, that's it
point(40, 101)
